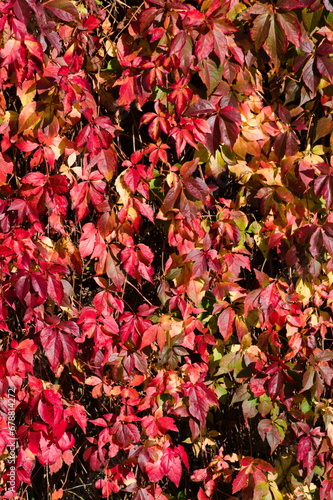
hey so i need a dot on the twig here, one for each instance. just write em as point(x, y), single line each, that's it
point(140, 293)
point(130, 20)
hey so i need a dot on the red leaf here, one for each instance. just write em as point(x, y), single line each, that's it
point(107, 163)
point(200, 398)
point(290, 25)
point(22, 287)
point(197, 188)
point(224, 128)
point(202, 495)
point(226, 322)
point(204, 45)
point(80, 416)
point(328, 243)
point(125, 433)
point(113, 272)
point(172, 465)
point(220, 42)
point(240, 482)
point(286, 144)
point(305, 453)
point(198, 406)
point(91, 23)
point(59, 347)
point(79, 193)
point(166, 424)
point(87, 240)
point(267, 429)
point(149, 336)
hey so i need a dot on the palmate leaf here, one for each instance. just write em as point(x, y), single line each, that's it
point(125, 433)
point(286, 143)
point(225, 127)
point(224, 123)
point(272, 31)
point(172, 309)
point(272, 432)
point(59, 347)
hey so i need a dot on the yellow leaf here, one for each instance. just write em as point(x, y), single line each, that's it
point(318, 150)
point(241, 170)
point(71, 159)
point(111, 48)
point(27, 92)
point(171, 178)
point(122, 189)
point(132, 213)
point(276, 493)
point(305, 291)
point(78, 365)
point(313, 159)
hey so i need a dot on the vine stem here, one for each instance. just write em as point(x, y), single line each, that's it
point(140, 293)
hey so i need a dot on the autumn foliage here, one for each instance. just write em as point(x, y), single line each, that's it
point(166, 249)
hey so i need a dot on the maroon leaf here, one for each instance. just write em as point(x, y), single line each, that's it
point(125, 433)
point(323, 186)
point(325, 67)
point(310, 78)
point(286, 144)
point(316, 243)
point(229, 122)
point(200, 108)
point(63, 9)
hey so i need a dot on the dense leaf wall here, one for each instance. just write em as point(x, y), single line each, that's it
point(166, 244)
